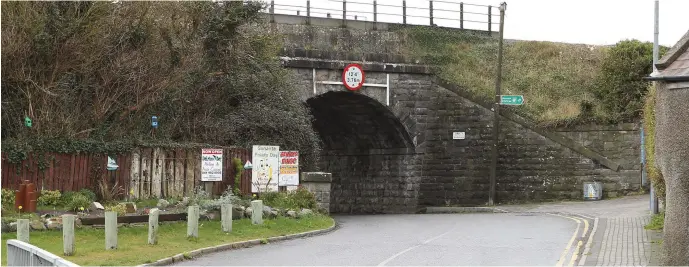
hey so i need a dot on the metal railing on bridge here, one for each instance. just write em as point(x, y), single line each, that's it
point(24, 254)
point(452, 14)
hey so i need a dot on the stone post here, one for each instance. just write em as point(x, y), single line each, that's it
point(23, 230)
point(226, 217)
point(257, 212)
point(193, 221)
point(318, 183)
point(68, 234)
point(153, 226)
point(110, 230)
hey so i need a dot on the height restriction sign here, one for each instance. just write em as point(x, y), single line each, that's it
point(353, 77)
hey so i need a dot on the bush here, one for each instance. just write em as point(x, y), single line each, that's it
point(88, 193)
point(652, 171)
point(78, 202)
point(295, 200)
point(120, 208)
point(7, 198)
point(620, 85)
point(50, 198)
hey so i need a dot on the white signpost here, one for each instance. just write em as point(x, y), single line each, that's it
point(266, 168)
point(289, 168)
point(211, 165)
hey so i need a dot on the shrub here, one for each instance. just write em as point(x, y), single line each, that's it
point(50, 198)
point(120, 208)
point(620, 85)
point(7, 197)
point(649, 144)
point(78, 201)
point(239, 169)
point(88, 193)
point(296, 200)
point(109, 193)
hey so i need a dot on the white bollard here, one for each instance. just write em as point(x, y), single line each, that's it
point(23, 230)
point(68, 234)
point(226, 217)
point(110, 230)
point(153, 226)
point(257, 212)
point(193, 221)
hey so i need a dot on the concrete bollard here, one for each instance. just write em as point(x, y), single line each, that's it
point(153, 226)
point(68, 234)
point(193, 221)
point(110, 230)
point(226, 217)
point(257, 212)
point(23, 230)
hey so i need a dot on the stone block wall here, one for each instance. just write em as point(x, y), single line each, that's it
point(318, 183)
point(439, 171)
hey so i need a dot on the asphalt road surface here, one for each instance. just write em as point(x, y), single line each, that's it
point(419, 239)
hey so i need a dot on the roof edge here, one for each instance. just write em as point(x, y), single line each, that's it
point(674, 52)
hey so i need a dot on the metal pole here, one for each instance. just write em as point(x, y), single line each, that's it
point(430, 9)
point(272, 11)
point(375, 11)
point(461, 15)
point(654, 198)
point(490, 19)
point(308, 11)
point(496, 111)
point(404, 12)
point(344, 13)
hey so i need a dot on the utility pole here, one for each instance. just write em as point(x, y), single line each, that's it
point(654, 198)
point(496, 111)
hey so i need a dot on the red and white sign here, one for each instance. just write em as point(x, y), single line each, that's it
point(211, 165)
point(353, 77)
point(289, 168)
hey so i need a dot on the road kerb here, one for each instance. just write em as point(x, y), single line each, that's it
point(442, 210)
point(235, 245)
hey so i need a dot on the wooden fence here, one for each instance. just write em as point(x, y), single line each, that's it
point(143, 173)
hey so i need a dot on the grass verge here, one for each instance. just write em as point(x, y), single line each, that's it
point(657, 222)
point(134, 250)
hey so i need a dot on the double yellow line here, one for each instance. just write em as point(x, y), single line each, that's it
point(580, 243)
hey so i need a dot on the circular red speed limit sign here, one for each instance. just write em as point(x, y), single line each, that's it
point(353, 77)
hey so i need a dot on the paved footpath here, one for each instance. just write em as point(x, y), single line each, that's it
point(619, 237)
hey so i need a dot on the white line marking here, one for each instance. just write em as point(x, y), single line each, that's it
point(413, 247)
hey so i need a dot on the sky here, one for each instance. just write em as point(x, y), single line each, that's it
point(595, 22)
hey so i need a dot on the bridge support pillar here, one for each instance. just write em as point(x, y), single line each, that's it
point(318, 183)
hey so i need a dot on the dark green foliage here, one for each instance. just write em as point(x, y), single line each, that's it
point(239, 168)
point(88, 193)
point(296, 200)
point(50, 198)
point(98, 71)
point(8, 197)
point(620, 86)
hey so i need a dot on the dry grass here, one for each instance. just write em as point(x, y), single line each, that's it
point(556, 79)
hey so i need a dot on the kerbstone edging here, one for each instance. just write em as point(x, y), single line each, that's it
point(236, 245)
point(440, 210)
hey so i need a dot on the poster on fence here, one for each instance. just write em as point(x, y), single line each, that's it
point(289, 168)
point(211, 165)
point(264, 174)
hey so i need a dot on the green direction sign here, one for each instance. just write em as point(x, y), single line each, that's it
point(511, 100)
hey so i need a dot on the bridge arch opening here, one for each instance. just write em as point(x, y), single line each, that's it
point(365, 147)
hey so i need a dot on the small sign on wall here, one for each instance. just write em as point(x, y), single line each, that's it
point(211, 165)
point(458, 135)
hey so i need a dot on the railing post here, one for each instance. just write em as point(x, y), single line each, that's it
point(272, 11)
point(490, 19)
point(110, 230)
point(308, 11)
point(226, 217)
point(344, 13)
point(193, 221)
point(153, 226)
point(430, 10)
point(461, 15)
point(404, 11)
point(68, 234)
point(257, 212)
point(23, 230)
